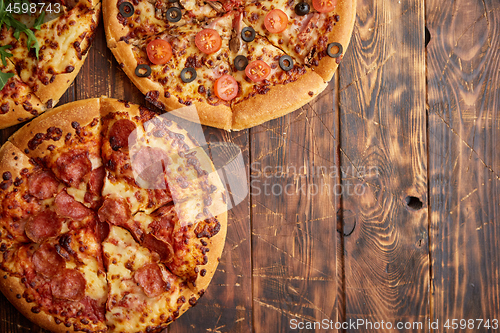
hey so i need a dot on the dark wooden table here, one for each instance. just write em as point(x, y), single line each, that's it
point(378, 201)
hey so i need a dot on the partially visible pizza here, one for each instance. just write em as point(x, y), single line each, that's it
point(240, 62)
point(43, 45)
point(112, 219)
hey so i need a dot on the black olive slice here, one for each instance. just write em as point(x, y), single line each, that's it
point(332, 45)
point(240, 62)
point(286, 63)
point(126, 9)
point(248, 34)
point(302, 8)
point(139, 70)
point(174, 14)
point(188, 74)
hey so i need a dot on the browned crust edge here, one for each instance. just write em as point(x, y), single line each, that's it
point(346, 9)
point(11, 286)
point(112, 27)
point(219, 116)
point(278, 101)
point(83, 112)
point(17, 114)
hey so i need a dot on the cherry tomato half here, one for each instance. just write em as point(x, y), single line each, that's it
point(324, 6)
point(159, 51)
point(257, 70)
point(276, 21)
point(226, 87)
point(208, 41)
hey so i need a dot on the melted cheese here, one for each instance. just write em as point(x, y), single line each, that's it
point(129, 309)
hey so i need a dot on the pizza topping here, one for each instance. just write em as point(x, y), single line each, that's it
point(302, 8)
point(188, 74)
point(338, 47)
point(286, 62)
point(240, 62)
point(69, 285)
point(324, 6)
point(150, 164)
point(47, 261)
point(119, 136)
point(73, 166)
point(248, 34)
point(216, 5)
point(102, 231)
point(42, 185)
point(68, 207)
point(159, 51)
point(164, 249)
point(234, 42)
point(149, 277)
point(208, 41)
point(42, 226)
point(126, 9)
point(115, 211)
point(142, 70)
point(258, 70)
point(174, 14)
point(226, 87)
point(276, 21)
point(96, 181)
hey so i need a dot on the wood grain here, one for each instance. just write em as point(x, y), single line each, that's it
point(383, 159)
point(294, 217)
point(464, 160)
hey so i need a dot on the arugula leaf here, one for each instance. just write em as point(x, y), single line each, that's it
point(4, 53)
point(4, 77)
point(39, 21)
point(19, 27)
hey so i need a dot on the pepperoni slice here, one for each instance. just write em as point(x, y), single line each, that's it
point(42, 185)
point(68, 207)
point(69, 285)
point(42, 226)
point(47, 261)
point(150, 163)
point(102, 231)
point(73, 166)
point(150, 278)
point(119, 135)
point(165, 250)
point(96, 181)
point(115, 211)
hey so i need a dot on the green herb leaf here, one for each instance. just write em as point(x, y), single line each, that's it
point(4, 77)
point(39, 21)
point(4, 53)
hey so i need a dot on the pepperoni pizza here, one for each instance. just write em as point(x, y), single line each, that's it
point(43, 45)
point(111, 219)
point(240, 62)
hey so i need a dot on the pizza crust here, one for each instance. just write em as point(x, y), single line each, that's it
point(346, 9)
point(63, 117)
point(278, 101)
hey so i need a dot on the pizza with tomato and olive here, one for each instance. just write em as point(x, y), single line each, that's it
point(112, 219)
point(43, 45)
point(239, 62)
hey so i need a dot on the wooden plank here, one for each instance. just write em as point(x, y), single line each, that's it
point(464, 160)
point(227, 305)
point(383, 143)
point(293, 161)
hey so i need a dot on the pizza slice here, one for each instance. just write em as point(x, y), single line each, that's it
point(265, 73)
point(310, 30)
point(59, 282)
point(179, 68)
point(67, 143)
point(144, 295)
point(63, 45)
point(18, 103)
